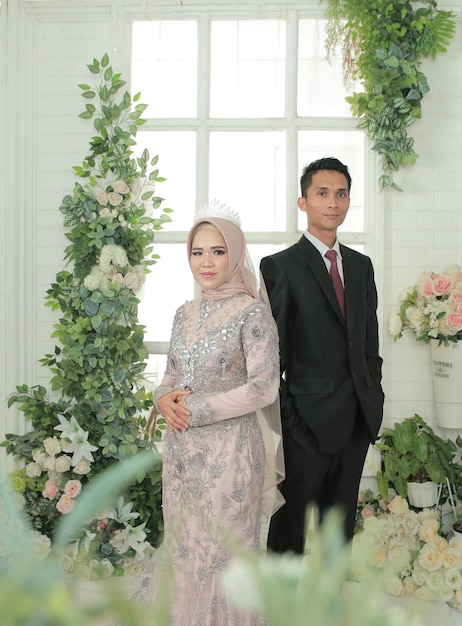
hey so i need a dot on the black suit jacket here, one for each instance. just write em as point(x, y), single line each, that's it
point(329, 365)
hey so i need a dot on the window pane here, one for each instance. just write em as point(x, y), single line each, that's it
point(165, 72)
point(155, 368)
point(349, 148)
point(247, 68)
point(167, 287)
point(320, 83)
point(177, 163)
point(247, 171)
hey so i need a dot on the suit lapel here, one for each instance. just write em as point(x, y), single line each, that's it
point(351, 282)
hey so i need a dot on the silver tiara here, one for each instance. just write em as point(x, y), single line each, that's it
point(217, 209)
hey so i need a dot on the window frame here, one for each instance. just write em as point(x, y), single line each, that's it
point(372, 237)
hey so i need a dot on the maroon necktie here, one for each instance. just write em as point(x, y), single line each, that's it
point(338, 286)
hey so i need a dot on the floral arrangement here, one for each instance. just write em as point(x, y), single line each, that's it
point(409, 548)
point(310, 589)
point(98, 414)
point(33, 589)
point(432, 308)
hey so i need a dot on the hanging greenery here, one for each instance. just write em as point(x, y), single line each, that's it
point(96, 413)
point(383, 44)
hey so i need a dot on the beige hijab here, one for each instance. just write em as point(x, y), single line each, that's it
point(241, 278)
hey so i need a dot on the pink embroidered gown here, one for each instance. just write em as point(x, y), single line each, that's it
point(226, 352)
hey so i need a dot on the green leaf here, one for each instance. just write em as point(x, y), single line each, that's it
point(96, 322)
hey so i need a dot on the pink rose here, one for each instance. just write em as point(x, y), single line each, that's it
point(131, 281)
point(441, 285)
point(425, 289)
point(454, 322)
point(65, 504)
point(72, 488)
point(50, 490)
point(455, 299)
point(368, 511)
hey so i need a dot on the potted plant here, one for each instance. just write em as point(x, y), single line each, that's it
point(413, 453)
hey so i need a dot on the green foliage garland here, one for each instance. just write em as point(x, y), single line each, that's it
point(383, 44)
point(99, 399)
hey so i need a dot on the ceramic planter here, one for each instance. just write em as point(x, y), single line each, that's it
point(422, 495)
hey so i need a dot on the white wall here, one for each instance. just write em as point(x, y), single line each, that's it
point(45, 47)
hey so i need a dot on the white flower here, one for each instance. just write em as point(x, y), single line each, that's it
point(115, 199)
point(69, 428)
point(49, 463)
point(66, 563)
point(425, 593)
point(33, 470)
point(39, 456)
point(131, 281)
point(52, 446)
point(41, 544)
point(430, 558)
point(63, 464)
point(394, 586)
point(395, 325)
point(81, 448)
point(102, 197)
point(130, 537)
point(111, 256)
point(121, 187)
point(106, 212)
point(94, 279)
point(240, 582)
point(435, 580)
point(124, 513)
point(82, 467)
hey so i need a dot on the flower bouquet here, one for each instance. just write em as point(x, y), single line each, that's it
point(432, 308)
point(409, 549)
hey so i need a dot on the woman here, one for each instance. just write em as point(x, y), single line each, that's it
point(223, 367)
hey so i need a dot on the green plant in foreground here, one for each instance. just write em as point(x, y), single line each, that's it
point(33, 590)
point(95, 415)
point(384, 43)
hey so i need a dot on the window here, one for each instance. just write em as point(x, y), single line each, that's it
point(237, 106)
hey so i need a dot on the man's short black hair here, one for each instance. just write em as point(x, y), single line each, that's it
point(326, 163)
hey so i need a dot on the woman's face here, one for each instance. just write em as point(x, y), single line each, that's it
point(209, 260)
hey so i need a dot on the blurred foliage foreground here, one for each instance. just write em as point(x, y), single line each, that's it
point(288, 590)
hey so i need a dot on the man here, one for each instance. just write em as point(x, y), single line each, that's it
point(331, 394)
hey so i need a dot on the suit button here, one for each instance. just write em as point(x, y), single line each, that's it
point(353, 376)
point(350, 343)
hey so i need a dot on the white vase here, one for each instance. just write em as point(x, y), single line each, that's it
point(447, 383)
point(422, 495)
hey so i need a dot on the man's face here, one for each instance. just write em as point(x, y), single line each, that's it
point(326, 204)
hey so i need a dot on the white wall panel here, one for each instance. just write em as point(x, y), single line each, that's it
point(45, 47)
